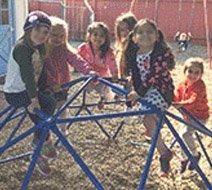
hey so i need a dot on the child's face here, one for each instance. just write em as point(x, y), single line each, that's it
point(145, 36)
point(123, 31)
point(57, 36)
point(193, 74)
point(39, 35)
point(97, 38)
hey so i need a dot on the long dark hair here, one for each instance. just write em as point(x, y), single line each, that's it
point(131, 48)
point(104, 29)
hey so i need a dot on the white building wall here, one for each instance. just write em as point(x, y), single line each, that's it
point(21, 12)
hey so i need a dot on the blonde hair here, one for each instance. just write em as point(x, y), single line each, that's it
point(195, 62)
point(59, 24)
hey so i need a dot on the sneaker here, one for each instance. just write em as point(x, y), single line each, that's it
point(165, 163)
point(48, 150)
point(197, 158)
point(183, 165)
point(43, 166)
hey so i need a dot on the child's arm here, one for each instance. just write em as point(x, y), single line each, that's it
point(22, 56)
point(76, 61)
point(112, 65)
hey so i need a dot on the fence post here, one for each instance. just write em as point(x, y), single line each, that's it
point(63, 9)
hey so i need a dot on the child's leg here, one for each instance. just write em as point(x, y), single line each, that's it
point(165, 153)
point(150, 124)
point(190, 141)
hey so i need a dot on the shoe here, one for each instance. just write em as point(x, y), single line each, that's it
point(48, 150)
point(197, 158)
point(183, 165)
point(101, 104)
point(43, 166)
point(165, 163)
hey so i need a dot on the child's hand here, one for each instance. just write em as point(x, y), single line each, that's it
point(34, 104)
point(177, 105)
point(56, 88)
point(132, 96)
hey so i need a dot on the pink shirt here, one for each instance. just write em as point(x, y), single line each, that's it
point(104, 66)
point(57, 66)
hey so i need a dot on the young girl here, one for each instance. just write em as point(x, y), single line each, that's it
point(123, 26)
point(148, 59)
point(59, 56)
point(191, 94)
point(97, 52)
point(20, 87)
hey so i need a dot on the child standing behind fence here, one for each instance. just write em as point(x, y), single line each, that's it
point(59, 56)
point(123, 26)
point(191, 94)
point(148, 60)
point(97, 52)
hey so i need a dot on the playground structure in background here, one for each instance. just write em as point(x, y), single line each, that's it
point(49, 124)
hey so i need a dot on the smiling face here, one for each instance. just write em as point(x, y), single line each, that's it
point(57, 35)
point(145, 36)
point(97, 38)
point(39, 35)
point(193, 74)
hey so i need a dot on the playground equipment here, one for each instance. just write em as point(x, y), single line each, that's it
point(49, 123)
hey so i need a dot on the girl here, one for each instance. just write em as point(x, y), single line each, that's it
point(97, 52)
point(123, 26)
point(148, 59)
point(20, 87)
point(191, 94)
point(60, 55)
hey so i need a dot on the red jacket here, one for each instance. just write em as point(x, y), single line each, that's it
point(196, 93)
point(56, 66)
point(104, 66)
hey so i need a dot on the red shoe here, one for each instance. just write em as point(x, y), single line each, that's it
point(183, 165)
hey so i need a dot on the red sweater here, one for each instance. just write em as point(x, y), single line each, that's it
point(105, 67)
point(57, 64)
point(197, 95)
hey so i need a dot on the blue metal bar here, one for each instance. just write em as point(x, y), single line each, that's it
point(35, 156)
point(73, 97)
point(194, 119)
point(95, 104)
point(77, 158)
point(151, 152)
point(16, 128)
point(16, 157)
point(5, 110)
point(118, 130)
point(17, 139)
point(115, 88)
point(99, 124)
point(203, 149)
point(18, 114)
point(104, 116)
point(75, 81)
point(7, 119)
point(202, 130)
point(188, 154)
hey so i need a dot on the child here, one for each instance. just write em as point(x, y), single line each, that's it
point(183, 40)
point(191, 94)
point(97, 52)
point(123, 26)
point(20, 87)
point(148, 59)
point(59, 56)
